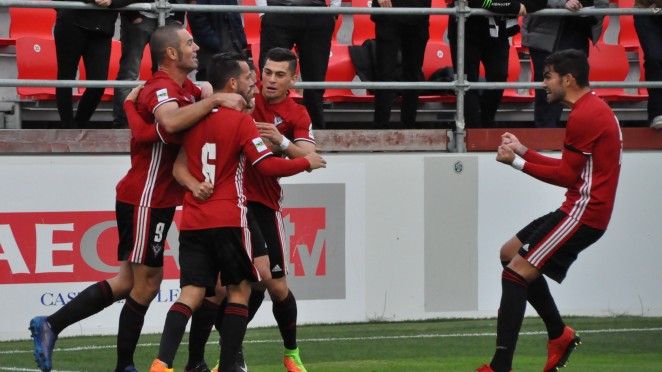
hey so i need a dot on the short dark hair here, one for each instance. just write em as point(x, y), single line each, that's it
point(283, 55)
point(222, 67)
point(570, 61)
point(163, 38)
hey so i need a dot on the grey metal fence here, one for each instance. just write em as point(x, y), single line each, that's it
point(461, 11)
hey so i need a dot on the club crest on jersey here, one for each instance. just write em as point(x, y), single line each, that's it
point(259, 144)
point(162, 94)
point(278, 120)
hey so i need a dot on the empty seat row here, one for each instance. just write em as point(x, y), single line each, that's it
point(36, 59)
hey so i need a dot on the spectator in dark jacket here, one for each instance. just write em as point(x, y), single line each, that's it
point(649, 30)
point(216, 32)
point(311, 34)
point(408, 35)
point(545, 35)
point(88, 34)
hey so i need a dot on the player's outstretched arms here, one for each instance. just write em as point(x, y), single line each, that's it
point(141, 131)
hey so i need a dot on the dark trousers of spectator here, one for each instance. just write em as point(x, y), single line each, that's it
point(409, 39)
point(311, 33)
point(572, 36)
point(134, 35)
point(480, 107)
point(649, 30)
point(72, 43)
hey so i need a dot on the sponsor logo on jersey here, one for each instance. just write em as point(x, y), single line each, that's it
point(259, 145)
point(162, 94)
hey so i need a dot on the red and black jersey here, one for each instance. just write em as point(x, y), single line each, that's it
point(217, 149)
point(292, 121)
point(590, 163)
point(149, 181)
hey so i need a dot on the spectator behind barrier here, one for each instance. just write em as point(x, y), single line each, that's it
point(649, 30)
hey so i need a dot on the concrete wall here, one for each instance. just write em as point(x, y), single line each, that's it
point(377, 236)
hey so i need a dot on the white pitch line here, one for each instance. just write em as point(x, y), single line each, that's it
point(367, 338)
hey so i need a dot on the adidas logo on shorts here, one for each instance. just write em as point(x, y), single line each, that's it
point(276, 269)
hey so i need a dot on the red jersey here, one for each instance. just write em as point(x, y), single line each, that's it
point(292, 121)
point(216, 150)
point(149, 181)
point(590, 165)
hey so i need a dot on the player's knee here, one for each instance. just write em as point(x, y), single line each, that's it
point(509, 250)
point(278, 289)
point(121, 286)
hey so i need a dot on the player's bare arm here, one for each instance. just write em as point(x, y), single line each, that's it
point(174, 118)
point(293, 150)
point(200, 190)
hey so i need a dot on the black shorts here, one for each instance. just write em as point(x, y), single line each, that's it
point(142, 233)
point(258, 245)
point(203, 253)
point(552, 243)
point(270, 223)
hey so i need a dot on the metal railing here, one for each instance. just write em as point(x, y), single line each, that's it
point(461, 11)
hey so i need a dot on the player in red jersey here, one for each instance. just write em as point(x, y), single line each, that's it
point(277, 118)
point(146, 199)
point(214, 232)
point(589, 168)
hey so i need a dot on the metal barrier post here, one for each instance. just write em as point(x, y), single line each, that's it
point(460, 77)
point(162, 7)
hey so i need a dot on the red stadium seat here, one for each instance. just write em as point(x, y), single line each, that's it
point(627, 35)
point(437, 55)
point(438, 23)
point(145, 65)
point(23, 22)
point(36, 59)
point(514, 71)
point(251, 24)
point(610, 63)
point(364, 28)
point(341, 68)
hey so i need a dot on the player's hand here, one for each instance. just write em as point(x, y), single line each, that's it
point(573, 5)
point(269, 131)
point(511, 141)
point(230, 100)
point(133, 94)
point(385, 3)
point(522, 10)
point(273, 147)
point(316, 161)
point(202, 191)
point(505, 155)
